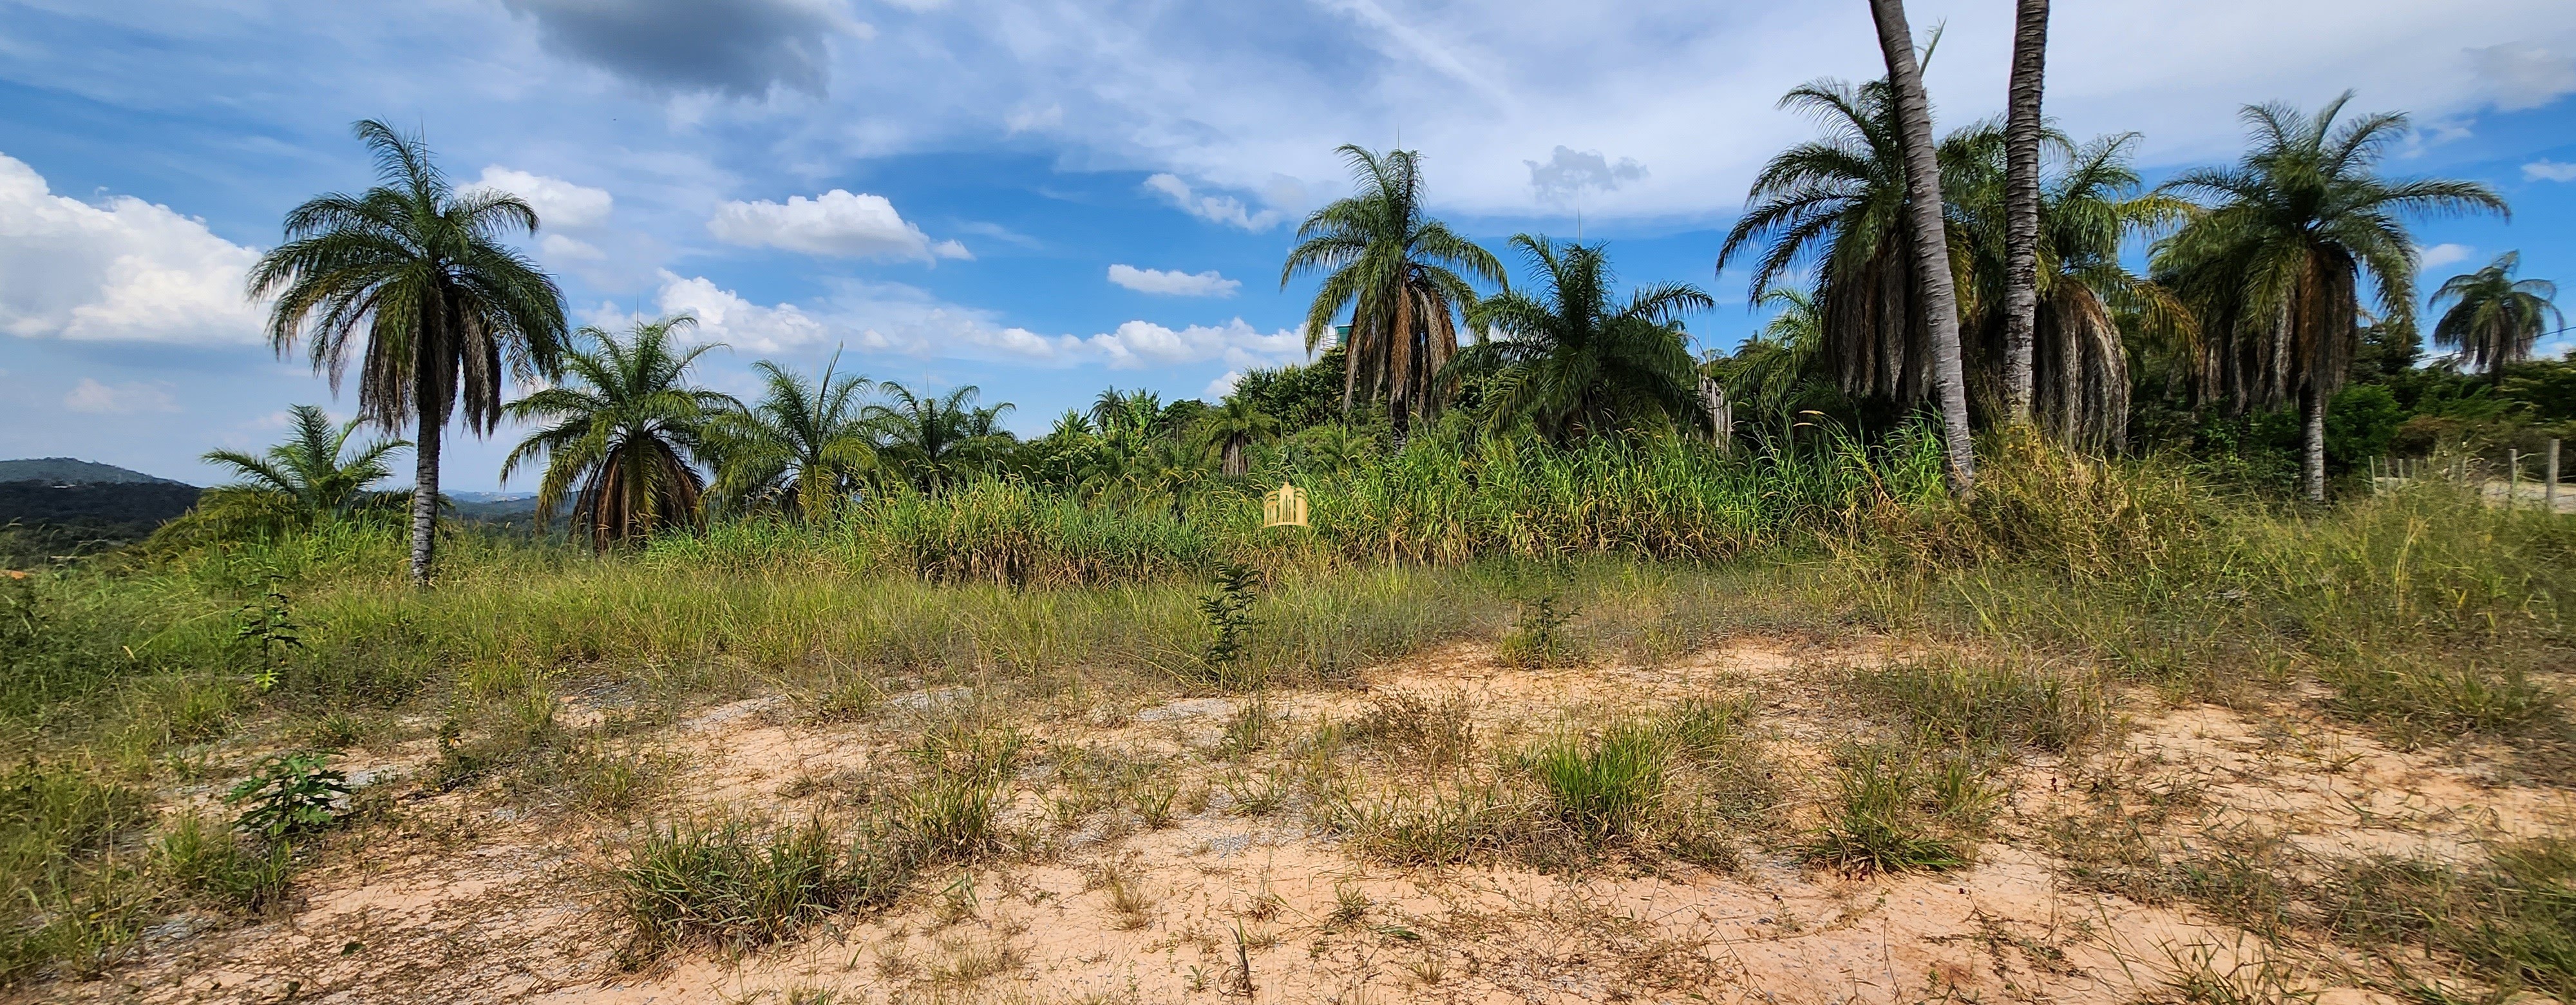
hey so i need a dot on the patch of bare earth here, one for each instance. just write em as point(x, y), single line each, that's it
point(481, 895)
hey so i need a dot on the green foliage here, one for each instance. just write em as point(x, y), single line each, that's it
point(1987, 706)
point(622, 437)
point(1227, 613)
point(2361, 422)
point(1896, 808)
point(289, 794)
point(1538, 637)
point(205, 863)
point(66, 898)
point(1575, 362)
point(265, 630)
point(734, 885)
point(1607, 789)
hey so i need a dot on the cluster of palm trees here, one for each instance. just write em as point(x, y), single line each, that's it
point(1976, 276)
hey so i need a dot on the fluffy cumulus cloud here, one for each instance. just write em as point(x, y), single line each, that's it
point(727, 317)
point(1223, 385)
point(2444, 254)
point(1174, 283)
point(1224, 209)
point(2548, 170)
point(1569, 171)
point(838, 223)
point(559, 203)
point(1144, 343)
point(122, 270)
point(739, 48)
point(133, 398)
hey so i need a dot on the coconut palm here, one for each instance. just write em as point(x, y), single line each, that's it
point(625, 427)
point(803, 448)
point(936, 441)
point(1398, 273)
point(1232, 428)
point(2494, 319)
point(2275, 266)
point(309, 477)
point(445, 306)
point(1572, 361)
point(1930, 245)
point(2087, 213)
point(2022, 132)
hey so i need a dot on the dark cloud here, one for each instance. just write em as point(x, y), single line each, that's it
point(737, 47)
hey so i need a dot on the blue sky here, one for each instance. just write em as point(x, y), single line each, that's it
point(1047, 198)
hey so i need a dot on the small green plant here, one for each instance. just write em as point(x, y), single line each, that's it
point(1227, 612)
point(1538, 637)
point(1887, 811)
point(205, 862)
point(1251, 728)
point(289, 794)
point(1608, 789)
point(265, 629)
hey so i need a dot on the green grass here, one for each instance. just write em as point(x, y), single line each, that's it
point(1987, 705)
point(1606, 789)
point(1896, 808)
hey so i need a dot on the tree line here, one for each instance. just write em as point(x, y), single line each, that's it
point(1975, 277)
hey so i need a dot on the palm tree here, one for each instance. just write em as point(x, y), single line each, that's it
point(1397, 271)
point(2086, 214)
point(2275, 267)
point(2494, 319)
point(803, 447)
point(1773, 374)
point(309, 477)
point(1138, 412)
point(936, 440)
point(627, 428)
point(446, 307)
point(1571, 361)
point(2022, 129)
point(1232, 427)
point(1840, 201)
point(1931, 247)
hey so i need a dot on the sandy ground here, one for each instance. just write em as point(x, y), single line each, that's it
point(479, 896)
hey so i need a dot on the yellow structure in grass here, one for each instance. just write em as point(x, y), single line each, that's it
point(1285, 507)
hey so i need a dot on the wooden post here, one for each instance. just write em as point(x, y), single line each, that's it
point(2512, 477)
point(2549, 493)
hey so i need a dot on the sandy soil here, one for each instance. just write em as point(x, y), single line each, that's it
point(479, 895)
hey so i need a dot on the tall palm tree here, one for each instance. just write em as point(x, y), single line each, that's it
point(1840, 202)
point(1138, 412)
point(934, 440)
point(1397, 271)
point(445, 306)
point(1570, 360)
point(627, 428)
point(804, 447)
point(1774, 374)
point(1931, 247)
point(2275, 266)
point(2494, 319)
point(309, 477)
point(1231, 429)
point(2022, 129)
point(2087, 213)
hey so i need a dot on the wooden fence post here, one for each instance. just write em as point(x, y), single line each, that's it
point(2549, 494)
point(2512, 478)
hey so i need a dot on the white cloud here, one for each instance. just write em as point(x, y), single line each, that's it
point(558, 203)
point(94, 398)
point(2444, 254)
point(123, 270)
point(570, 248)
point(1224, 209)
point(1144, 343)
point(1027, 119)
point(2548, 170)
point(839, 223)
point(2524, 74)
point(1223, 385)
point(1174, 283)
point(951, 248)
point(725, 316)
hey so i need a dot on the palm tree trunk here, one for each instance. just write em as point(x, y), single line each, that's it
point(2312, 440)
point(424, 493)
point(1931, 249)
point(2021, 204)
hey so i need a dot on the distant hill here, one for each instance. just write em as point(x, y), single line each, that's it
point(72, 471)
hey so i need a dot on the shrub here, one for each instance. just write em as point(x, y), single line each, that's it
point(289, 794)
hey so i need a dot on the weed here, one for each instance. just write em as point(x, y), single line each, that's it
point(1885, 815)
point(2416, 703)
point(1350, 907)
point(207, 863)
point(732, 885)
point(1607, 789)
point(289, 794)
point(1537, 637)
point(2248, 978)
point(1431, 735)
point(1252, 727)
point(1227, 613)
point(1129, 904)
point(1988, 705)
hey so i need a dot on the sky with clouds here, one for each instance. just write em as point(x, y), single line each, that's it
point(1043, 198)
